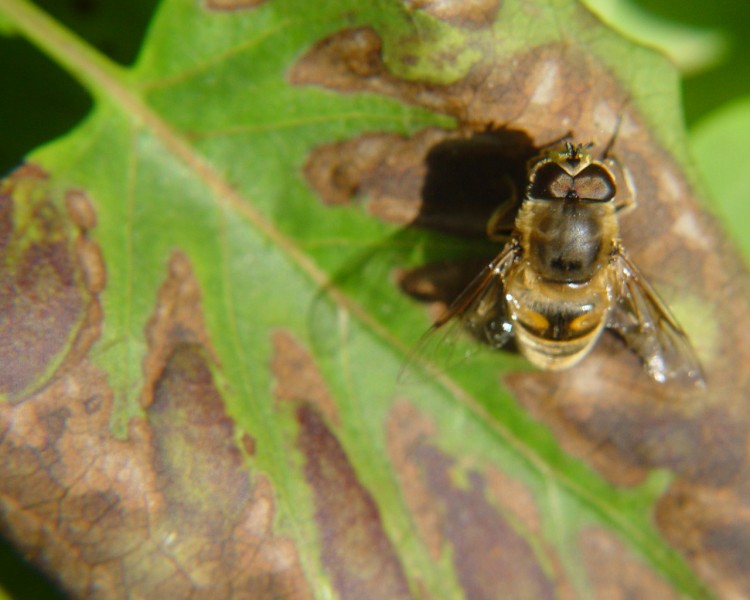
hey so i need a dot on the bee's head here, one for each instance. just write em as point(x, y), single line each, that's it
point(574, 157)
point(569, 172)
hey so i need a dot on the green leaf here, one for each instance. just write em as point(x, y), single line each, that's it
point(203, 326)
point(721, 148)
point(708, 90)
point(691, 49)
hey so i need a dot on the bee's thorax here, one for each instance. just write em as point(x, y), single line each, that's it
point(566, 241)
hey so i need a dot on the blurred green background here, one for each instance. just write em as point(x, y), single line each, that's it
point(707, 41)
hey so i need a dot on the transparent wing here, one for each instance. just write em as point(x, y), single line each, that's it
point(649, 328)
point(479, 310)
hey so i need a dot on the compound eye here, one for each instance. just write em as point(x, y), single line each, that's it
point(550, 182)
point(595, 183)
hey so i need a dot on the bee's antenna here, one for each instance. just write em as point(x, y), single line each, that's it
point(564, 139)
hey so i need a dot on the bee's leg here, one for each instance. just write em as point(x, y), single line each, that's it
point(616, 131)
point(499, 227)
point(608, 148)
point(626, 206)
point(497, 231)
point(625, 200)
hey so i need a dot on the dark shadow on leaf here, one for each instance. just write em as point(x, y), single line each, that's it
point(466, 180)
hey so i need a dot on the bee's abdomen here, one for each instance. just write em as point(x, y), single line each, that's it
point(555, 328)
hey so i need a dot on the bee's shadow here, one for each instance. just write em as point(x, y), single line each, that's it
point(466, 180)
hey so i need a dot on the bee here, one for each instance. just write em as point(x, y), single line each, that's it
point(564, 276)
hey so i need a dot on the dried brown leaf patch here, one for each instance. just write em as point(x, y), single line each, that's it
point(471, 14)
point(50, 275)
point(216, 529)
point(484, 521)
point(297, 376)
point(174, 510)
point(177, 319)
point(614, 573)
point(710, 526)
point(355, 550)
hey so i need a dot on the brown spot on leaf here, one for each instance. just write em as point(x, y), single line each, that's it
point(172, 511)
point(218, 524)
point(80, 209)
point(406, 429)
point(355, 550)
point(71, 495)
point(434, 179)
point(490, 556)
point(487, 552)
point(297, 376)
point(248, 443)
point(348, 60)
point(712, 528)
point(614, 573)
point(92, 265)
point(625, 435)
point(49, 315)
point(177, 319)
point(518, 503)
point(515, 498)
point(187, 412)
point(546, 91)
point(386, 169)
point(472, 14)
